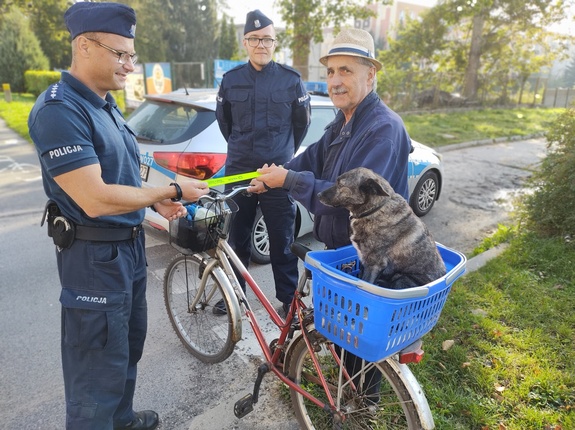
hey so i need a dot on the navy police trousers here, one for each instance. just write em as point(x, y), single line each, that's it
point(279, 210)
point(104, 323)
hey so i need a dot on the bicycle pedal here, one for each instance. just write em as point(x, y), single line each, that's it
point(244, 406)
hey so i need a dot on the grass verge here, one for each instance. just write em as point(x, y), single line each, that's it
point(16, 112)
point(512, 364)
point(439, 129)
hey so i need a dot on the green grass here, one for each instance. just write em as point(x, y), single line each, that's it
point(513, 362)
point(16, 112)
point(439, 129)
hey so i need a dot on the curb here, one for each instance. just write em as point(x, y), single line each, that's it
point(472, 143)
point(480, 260)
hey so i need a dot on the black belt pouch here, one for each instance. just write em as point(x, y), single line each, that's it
point(60, 229)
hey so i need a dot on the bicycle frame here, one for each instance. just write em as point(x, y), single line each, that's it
point(224, 252)
point(220, 263)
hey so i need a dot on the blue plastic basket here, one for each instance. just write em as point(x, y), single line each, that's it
point(371, 321)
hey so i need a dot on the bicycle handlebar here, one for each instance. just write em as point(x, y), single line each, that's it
point(222, 196)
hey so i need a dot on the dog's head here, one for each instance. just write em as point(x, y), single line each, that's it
point(355, 189)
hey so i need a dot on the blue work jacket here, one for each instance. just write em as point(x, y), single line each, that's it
point(375, 137)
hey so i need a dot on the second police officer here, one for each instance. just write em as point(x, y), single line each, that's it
point(263, 112)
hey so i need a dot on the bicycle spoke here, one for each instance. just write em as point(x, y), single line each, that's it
point(379, 403)
point(206, 335)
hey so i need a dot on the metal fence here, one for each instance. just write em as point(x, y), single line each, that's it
point(416, 91)
point(559, 97)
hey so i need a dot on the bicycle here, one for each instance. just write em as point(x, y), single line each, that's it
point(308, 356)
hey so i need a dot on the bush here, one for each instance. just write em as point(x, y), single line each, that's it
point(37, 81)
point(550, 209)
point(19, 49)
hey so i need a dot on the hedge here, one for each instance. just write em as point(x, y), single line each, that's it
point(36, 81)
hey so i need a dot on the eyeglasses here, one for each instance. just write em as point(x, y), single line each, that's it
point(268, 42)
point(123, 57)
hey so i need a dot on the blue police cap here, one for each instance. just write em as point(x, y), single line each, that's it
point(116, 18)
point(256, 20)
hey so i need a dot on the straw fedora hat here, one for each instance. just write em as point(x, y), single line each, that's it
point(353, 42)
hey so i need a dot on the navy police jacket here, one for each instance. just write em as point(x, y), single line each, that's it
point(263, 115)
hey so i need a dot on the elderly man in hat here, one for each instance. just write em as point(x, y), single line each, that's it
point(90, 169)
point(365, 133)
point(263, 112)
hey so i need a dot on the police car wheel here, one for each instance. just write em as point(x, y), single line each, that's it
point(424, 194)
point(260, 240)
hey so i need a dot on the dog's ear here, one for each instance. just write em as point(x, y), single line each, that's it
point(372, 187)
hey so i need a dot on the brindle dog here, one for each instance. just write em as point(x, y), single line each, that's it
point(394, 246)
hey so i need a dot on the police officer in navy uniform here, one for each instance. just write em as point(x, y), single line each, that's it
point(263, 112)
point(90, 168)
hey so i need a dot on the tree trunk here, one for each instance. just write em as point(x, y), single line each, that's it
point(470, 82)
point(302, 37)
point(301, 57)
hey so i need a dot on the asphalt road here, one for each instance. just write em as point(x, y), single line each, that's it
point(479, 184)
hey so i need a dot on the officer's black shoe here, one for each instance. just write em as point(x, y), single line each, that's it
point(144, 420)
point(220, 308)
point(283, 311)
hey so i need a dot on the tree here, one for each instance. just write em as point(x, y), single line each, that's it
point(178, 31)
point(19, 49)
point(306, 19)
point(47, 22)
point(228, 41)
point(436, 51)
point(175, 30)
point(151, 43)
point(569, 74)
point(418, 59)
point(484, 20)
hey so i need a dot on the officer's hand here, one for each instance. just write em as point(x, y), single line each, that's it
point(170, 210)
point(193, 190)
point(272, 176)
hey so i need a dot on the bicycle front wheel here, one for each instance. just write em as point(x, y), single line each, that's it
point(205, 333)
point(387, 406)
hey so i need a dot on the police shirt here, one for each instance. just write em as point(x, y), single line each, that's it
point(73, 127)
point(263, 115)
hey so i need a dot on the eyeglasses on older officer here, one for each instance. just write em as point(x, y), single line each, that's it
point(123, 57)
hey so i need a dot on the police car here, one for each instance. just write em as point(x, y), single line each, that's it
point(179, 138)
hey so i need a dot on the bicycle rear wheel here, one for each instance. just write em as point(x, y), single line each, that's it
point(393, 410)
point(206, 335)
